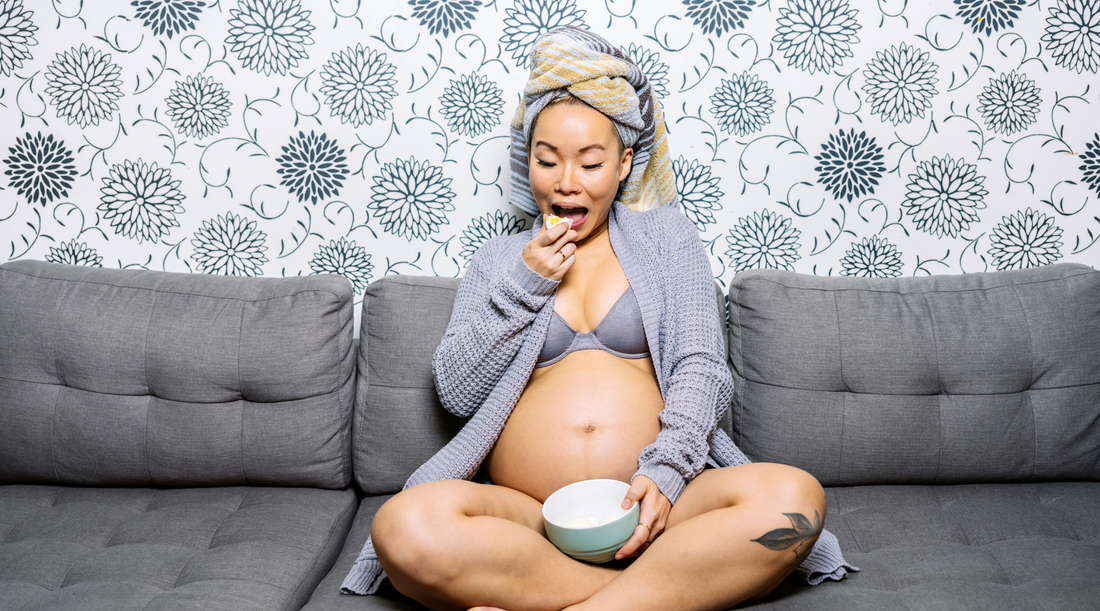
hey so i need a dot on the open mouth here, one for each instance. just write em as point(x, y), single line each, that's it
point(575, 214)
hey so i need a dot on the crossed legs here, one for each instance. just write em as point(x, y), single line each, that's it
point(456, 545)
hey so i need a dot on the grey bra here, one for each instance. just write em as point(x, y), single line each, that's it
point(619, 333)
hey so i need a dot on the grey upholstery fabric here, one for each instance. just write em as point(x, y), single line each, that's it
point(118, 377)
point(945, 379)
point(116, 549)
point(327, 596)
point(976, 547)
point(399, 422)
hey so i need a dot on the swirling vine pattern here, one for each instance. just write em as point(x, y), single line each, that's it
point(289, 137)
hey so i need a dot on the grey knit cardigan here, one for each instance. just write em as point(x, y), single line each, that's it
point(500, 320)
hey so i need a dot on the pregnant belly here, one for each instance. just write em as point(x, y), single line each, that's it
point(586, 416)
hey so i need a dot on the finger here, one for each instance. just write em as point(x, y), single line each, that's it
point(636, 491)
point(633, 544)
point(565, 265)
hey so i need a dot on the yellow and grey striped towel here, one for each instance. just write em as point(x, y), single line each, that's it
point(568, 60)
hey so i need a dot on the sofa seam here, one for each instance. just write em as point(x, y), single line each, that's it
point(321, 394)
point(240, 390)
point(939, 385)
point(1083, 272)
point(145, 372)
point(166, 292)
point(844, 395)
point(1030, 403)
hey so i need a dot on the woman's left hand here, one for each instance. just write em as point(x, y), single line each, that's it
point(654, 514)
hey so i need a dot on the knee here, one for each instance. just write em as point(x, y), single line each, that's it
point(793, 490)
point(409, 534)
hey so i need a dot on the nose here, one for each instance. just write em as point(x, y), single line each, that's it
point(567, 180)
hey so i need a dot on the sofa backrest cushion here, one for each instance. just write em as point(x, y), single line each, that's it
point(126, 377)
point(399, 422)
point(944, 379)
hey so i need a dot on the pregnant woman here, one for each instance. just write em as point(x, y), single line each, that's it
point(592, 349)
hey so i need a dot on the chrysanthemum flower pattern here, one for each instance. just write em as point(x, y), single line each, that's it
point(944, 195)
point(358, 85)
point(1025, 239)
point(850, 164)
point(763, 241)
point(650, 63)
point(312, 167)
point(346, 258)
point(445, 16)
point(1090, 168)
point(719, 16)
point(40, 168)
point(84, 85)
point(872, 258)
point(16, 35)
point(698, 191)
point(988, 16)
point(900, 83)
point(472, 105)
point(1009, 103)
point(411, 198)
point(484, 228)
point(141, 200)
point(229, 245)
point(269, 36)
point(1073, 35)
point(73, 253)
point(816, 35)
point(198, 106)
point(168, 16)
point(742, 104)
point(529, 19)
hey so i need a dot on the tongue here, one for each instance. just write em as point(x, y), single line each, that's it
point(573, 214)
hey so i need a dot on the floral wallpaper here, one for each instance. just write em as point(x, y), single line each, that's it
point(284, 137)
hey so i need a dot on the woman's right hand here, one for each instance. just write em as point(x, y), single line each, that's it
point(552, 252)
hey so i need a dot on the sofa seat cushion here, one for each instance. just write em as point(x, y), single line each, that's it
point(237, 548)
point(979, 546)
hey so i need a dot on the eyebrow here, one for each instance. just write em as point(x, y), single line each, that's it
point(583, 150)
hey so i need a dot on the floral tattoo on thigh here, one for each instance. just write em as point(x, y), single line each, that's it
point(800, 533)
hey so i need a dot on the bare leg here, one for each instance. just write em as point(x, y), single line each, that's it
point(456, 544)
point(711, 555)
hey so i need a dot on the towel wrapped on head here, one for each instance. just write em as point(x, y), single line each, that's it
point(571, 61)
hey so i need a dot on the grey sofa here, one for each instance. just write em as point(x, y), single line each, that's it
point(171, 441)
point(954, 420)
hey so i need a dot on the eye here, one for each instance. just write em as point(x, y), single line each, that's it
point(546, 164)
point(594, 166)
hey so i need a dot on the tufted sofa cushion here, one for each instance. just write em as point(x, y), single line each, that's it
point(123, 377)
point(978, 547)
point(946, 379)
point(119, 549)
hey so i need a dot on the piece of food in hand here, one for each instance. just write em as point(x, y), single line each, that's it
point(552, 219)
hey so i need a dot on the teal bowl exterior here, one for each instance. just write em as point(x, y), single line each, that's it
point(595, 544)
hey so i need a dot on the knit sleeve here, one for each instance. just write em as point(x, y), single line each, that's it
point(497, 300)
point(699, 386)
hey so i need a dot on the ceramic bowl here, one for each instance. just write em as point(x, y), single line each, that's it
point(593, 499)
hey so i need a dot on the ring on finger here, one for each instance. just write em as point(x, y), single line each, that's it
point(646, 526)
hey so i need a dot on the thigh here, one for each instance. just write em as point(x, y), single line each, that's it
point(767, 485)
point(440, 502)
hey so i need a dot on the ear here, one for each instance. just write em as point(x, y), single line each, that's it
point(625, 163)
